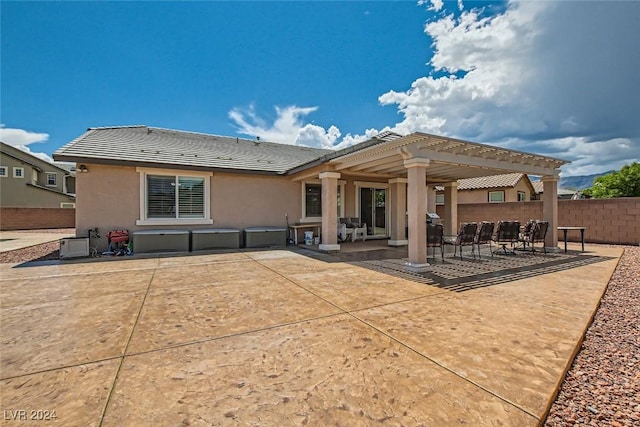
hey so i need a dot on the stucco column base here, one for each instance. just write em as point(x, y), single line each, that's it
point(553, 249)
point(329, 248)
point(417, 268)
point(397, 242)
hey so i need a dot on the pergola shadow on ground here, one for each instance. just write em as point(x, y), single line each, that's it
point(459, 275)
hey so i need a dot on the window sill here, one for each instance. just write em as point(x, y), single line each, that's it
point(169, 221)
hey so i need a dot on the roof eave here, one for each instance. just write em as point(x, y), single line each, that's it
point(115, 162)
point(336, 154)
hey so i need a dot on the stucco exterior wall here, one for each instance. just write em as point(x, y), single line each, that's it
point(108, 197)
point(253, 200)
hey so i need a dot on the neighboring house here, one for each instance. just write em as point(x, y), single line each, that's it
point(513, 187)
point(563, 193)
point(27, 181)
point(141, 178)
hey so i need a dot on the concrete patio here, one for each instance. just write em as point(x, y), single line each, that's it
point(290, 337)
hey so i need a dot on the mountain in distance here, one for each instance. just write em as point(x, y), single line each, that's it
point(578, 182)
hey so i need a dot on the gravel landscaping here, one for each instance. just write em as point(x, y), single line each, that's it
point(602, 386)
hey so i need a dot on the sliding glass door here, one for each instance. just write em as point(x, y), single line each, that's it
point(373, 211)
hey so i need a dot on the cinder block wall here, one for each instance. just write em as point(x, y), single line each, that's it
point(615, 221)
point(607, 220)
point(36, 218)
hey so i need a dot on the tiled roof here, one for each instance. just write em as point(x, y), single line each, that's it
point(493, 181)
point(538, 186)
point(156, 146)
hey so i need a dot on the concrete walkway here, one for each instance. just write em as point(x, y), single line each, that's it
point(279, 338)
point(12, 240)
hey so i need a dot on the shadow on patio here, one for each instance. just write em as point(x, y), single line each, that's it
point(455, 274)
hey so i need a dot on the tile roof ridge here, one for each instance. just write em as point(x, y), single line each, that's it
point(116, 127)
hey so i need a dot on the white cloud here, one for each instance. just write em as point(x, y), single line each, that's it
point(555, 78)
point(289, 128)
point(284, 128)
point(21, 138)
point(435, 5)
point(316, 136)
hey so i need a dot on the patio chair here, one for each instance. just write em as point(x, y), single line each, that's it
point(507, 233)
point(344, 232)
point(359, 232)
point(351, 228)
point(435, 238)
point(485, 232)
point(466, 237)
point(536, 233)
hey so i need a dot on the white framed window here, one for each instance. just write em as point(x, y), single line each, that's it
point(4, 172)
point(522, 196)
point(18, 172)
point(174, 197)
point(67, 205)
point(496, 196)
point(51, 179)
point(439, 199)
point(312, 200)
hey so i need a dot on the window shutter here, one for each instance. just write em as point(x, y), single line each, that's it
point(161, 196)
point(190, 197)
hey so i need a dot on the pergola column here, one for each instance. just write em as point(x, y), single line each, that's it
point(329, 211)
point(431, 199)
point(417, 211)
point(450, 208)
point(550, 210)
point(398, 190)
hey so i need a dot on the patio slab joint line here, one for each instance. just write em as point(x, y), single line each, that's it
point(124, 354)
point(410, 348)
point(351, 314)
point(222, 337)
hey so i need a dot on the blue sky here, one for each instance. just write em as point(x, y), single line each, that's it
point(555, 78)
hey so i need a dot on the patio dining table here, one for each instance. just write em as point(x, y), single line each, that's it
point(565, 229)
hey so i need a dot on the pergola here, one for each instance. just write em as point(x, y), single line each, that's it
point(413, 162)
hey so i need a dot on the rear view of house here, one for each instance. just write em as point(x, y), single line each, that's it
point(143, 178)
